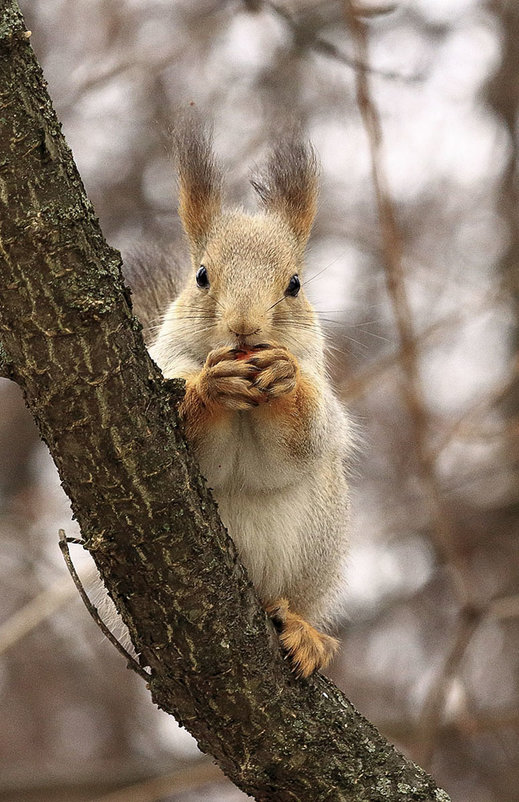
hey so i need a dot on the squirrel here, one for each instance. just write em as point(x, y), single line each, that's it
point(271, 438)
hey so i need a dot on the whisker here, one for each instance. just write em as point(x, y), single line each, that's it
point(369, 322)
point(316, 275)
point(186, 307)
point(198, 330)
point(377, 336)
point(275, 304)
point(290, 337)
point(194, 317)
point(328, 344)
point(299, 325)
point(217, 301)
point(193, 321)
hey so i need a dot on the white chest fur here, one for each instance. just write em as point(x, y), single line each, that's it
point(243, 454)
point(261, 499)
point(267, 535)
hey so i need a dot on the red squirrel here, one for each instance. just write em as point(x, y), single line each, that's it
point(270, 435)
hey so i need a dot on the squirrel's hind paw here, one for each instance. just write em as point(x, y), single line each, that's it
point(307, 649)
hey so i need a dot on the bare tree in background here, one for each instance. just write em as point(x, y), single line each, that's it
point(435, 674)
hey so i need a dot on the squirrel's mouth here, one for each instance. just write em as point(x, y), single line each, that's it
point(248, 349)
point(249, 340)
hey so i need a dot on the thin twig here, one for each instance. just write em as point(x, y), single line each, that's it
point(317, 43)
point(320, 45)
point(433, 707)
point(357, 384)
point(132, 662)
point(486, 402)
point(107, 73)
point(404, 731)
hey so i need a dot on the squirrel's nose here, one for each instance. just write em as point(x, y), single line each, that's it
point(241, 325)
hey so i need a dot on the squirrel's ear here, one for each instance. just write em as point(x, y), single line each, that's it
point(200, 180)
point(288, 185)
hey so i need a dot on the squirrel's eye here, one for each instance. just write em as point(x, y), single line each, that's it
point(202, 279)
point(294, 285)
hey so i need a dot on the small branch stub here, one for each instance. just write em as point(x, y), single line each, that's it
point(63, 544)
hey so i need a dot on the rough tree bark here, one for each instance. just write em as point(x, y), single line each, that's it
point(70, 340)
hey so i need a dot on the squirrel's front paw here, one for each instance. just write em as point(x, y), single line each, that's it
point(277, 371)
point(228, 381)
point(307, 649)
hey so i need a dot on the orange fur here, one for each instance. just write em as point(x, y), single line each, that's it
point(200, 181)
point(198, 414)
point(268, 383)
point(224, 385)
point(288, 185)
point(308, 649)
point(293, 412)
point(197, 211)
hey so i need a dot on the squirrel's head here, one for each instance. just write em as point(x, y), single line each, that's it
point(245, 287)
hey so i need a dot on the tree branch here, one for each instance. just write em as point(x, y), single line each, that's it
point(411, 388)
point(145, 514)
point(304, 35)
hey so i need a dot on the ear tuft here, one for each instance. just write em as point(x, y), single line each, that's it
point(288, 185)
point(200, 179)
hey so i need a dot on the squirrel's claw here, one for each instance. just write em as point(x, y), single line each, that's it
point(229, 382)
point(239, 383)
point(219, 355)
point(307, 649)
point(277, 371)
